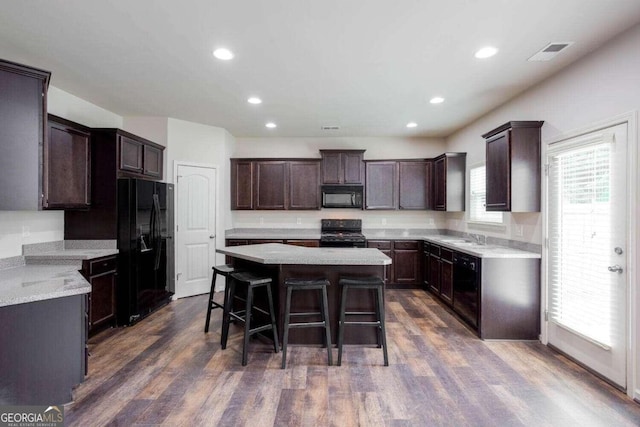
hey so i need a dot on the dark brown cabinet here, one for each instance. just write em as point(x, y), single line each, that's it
point(101, 273)
point(275, 184)
point(136, 156)
point(130, 155)
point(23, 117)
point(381, 189)
point(449, 171)
point(414, 184)
point(67, 165)
point(440, 272)
point(406, 265)
point(513, 167)
point(342, 166)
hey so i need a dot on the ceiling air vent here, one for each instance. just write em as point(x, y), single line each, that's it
point(550, 51)
point(330, 127)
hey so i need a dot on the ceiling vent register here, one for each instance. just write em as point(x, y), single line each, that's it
point(550, 51)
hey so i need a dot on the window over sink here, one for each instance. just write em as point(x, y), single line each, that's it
point(478, 196)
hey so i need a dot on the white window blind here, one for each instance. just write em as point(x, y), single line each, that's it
point(580, 233)
point(478, 197)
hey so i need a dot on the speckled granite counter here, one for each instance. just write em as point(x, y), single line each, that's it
point(32, 283)
point(273, 233)
point(276, 253)
point(480, 250)
point(63, 256)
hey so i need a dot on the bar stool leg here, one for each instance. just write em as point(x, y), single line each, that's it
point(230, 293)
point(325, 319)
point(213, 286)
point(274, 327)
point(383, 331)
point(343, 306)
point(287, 318)
point(247, 324)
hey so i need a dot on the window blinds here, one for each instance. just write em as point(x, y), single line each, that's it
point(478, 196)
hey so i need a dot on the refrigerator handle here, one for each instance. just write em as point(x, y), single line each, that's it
point(156, 229)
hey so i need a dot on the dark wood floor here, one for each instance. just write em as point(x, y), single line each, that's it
point(166, 371)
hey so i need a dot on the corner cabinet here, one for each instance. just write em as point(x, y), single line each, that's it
point(513, 167)
point(449, 171)
point(67, 165)
point(23, 117)
point(406, 266)
point(342, 166)
point(275, 184)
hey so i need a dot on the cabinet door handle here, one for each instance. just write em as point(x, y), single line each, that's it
point(615, 268)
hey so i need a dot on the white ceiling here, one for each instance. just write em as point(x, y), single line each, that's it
point(368, 66)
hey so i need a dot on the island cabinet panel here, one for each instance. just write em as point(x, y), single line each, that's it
point(270, 189)
point(513, 167)
point(67, 165)
point(241, 184)
point(414, 184)
point(342, 166)
point(386, 247)
point(381, 190)
point(304, 185)
point(449, 172)
point(23, 110)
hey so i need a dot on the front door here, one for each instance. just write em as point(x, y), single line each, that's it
point(587, 250)
point(196, 229)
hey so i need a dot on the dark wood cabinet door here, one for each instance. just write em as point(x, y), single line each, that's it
point(498, 171)
point(304, 185)
point(412, 185)
point(103, 299)
point(152, 160)
point(353, 170)
point(425, 266)
point(407, 266)
point(130, 155)
point(331, 167)
point(305, 243)
point(434, 273)
point(381, 188)
point(429, 198)
point(270, 187)
point(241, 184)
point(440, 184)
point(446, 281)
point(67, 178)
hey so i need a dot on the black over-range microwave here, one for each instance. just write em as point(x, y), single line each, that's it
point(342, 196)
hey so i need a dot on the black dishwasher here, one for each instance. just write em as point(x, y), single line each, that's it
point(466, 287)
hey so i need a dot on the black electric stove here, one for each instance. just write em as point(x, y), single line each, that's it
point(342, 233)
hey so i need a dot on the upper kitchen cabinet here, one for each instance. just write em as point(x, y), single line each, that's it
point(381, 190)
point(513, 167)
point(23, 117)
point(67, 165)
point(398, 184)
point(414, 184)
point(449, 172)
point(342, 166)
point(275, 184)
point(136, 157)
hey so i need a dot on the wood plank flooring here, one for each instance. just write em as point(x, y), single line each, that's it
point(166, 371)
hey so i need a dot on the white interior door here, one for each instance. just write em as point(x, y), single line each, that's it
point(587, 250)
point(196, 229)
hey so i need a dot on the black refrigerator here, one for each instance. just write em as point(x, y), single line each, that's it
point(145, 243)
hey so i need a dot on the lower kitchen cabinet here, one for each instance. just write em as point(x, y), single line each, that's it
point(441, 272)
point(406, 267)
point(101, 273)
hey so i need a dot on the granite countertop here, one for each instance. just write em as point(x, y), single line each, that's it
point(51, 257)
point(273, 233)
point(30, 283)
point(461, 244)
point(276, 253)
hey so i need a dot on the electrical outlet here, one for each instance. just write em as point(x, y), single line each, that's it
point(298, 221)
point(519, 232)
point(26, 232)
point(384, 221)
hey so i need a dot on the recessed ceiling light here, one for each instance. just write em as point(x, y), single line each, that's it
point(254, 100)
point(412, 124)
point(222, 53)
point(486, 52)
point(271, 125)
point(436, 100)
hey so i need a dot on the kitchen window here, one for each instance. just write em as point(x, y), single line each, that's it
point(477, 199)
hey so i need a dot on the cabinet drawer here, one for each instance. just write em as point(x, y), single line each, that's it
point(446, 254)
point(102, 265)
point(434, 249)
point(406, 244)
point(379, 244)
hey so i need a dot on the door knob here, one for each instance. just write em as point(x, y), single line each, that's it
point(615, 268)
point(213, 236)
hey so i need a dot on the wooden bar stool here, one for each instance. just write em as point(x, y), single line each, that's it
point(224, 270)
point(376, 284)
point(251, 282)
point(307, 285)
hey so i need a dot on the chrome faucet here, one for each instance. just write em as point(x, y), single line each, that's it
point(479, 238)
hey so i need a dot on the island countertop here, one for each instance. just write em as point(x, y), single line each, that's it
point(277, 253)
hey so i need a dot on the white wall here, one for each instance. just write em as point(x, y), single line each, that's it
point(18, 228)
point(376, 148)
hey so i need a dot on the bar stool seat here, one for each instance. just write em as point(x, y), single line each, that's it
point(224, 270)
point(376, 284)
point(251, 282)
point(298, 284)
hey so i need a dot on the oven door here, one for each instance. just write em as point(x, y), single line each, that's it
point(466, 287)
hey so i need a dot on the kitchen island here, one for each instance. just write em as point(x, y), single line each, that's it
point(281, 262)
